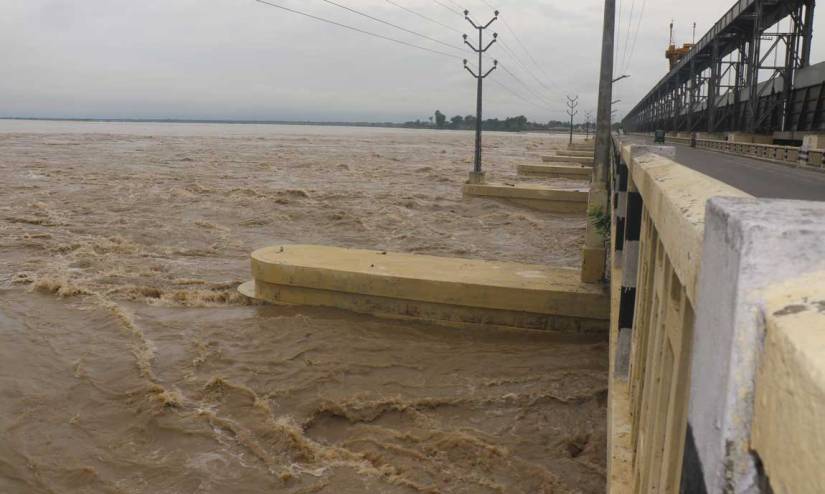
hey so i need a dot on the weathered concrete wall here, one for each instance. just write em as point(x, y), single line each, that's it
point(749, 244)
point(789, 408)
point(688, 328)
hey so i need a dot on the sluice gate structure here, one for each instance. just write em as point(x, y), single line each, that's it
point(750, 73)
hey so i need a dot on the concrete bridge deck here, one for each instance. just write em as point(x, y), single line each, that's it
point(756, 177)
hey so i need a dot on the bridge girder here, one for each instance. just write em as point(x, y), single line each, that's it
point(742, 76)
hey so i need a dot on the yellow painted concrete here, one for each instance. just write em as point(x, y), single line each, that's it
point(458, 291)
point(744, 137)
point(675, 197)
point(582, 146)
point(568, 159)
point(593, 260)
point(557, 171)
point(580, 154)
point(619, 421)
point(540, 197)
point(789, 409)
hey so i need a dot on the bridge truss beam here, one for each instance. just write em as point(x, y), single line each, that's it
point(742, 76)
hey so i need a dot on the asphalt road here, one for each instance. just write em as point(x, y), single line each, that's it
point(756, 177)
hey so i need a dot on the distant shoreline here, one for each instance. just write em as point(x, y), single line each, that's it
point(389, 125)
point(208, 121)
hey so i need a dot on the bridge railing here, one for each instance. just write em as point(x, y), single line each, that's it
point(789, 155)
point(690, 258)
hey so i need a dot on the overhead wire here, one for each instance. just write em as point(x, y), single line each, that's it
point(358, 30)
point(518, 59)
point(451, 9)
point(627, 33)
point(518, 79)
point(519, 96)
point(636, 36)
point(542, 104)
point(436, 21)
point(459, 7)
point(618, 38)
point(387, 23)
point(525, 66)
point(523, 47)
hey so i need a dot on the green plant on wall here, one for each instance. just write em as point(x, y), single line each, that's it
point(601, 220)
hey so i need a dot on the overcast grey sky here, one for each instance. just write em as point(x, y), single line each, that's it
point(239, 59)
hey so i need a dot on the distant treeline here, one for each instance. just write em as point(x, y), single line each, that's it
point(510, 124)
point(437, 121)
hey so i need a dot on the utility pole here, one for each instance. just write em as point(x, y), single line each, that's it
point(603, 119)
point(588, 115)
point(594, 252)
point(477, 175)
point(572, 103)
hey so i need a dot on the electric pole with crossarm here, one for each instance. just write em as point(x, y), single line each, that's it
point(477, 175)
point(572, 103)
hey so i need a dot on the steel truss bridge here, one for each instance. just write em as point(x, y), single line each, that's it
point(750, 73)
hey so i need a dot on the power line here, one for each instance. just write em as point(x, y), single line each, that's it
point(618, 39)
point(529, 55)
point(391, 2)
point(529, 89)
point(527, 68)
point(627, 33)
point(382, 21)
point(519, 96)
point(451, 9)
point(401, 42)
point(459, 7)
point(358, 30)
point(636, 35)
point(519, 60)
point(387, 38)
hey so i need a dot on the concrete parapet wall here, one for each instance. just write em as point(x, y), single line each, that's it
point(749, 245)
point(662, 240)
point(809, 156)
point(674, 197)
point(789, 405)
point(694, 258)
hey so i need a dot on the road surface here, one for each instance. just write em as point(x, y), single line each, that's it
point(756, 177)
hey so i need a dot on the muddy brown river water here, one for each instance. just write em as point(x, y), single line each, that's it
point(128, 363)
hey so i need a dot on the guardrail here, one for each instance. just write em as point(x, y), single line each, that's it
point(694, 256)
point(783, 154)
point(790, 155)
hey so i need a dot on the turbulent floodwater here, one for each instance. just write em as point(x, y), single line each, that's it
point(128, 364)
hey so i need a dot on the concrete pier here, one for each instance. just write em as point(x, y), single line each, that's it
point(459, 292)
point(581, 160)
point(580, 154)
point(557, 171)
point(539, 197)
point(582, 146)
